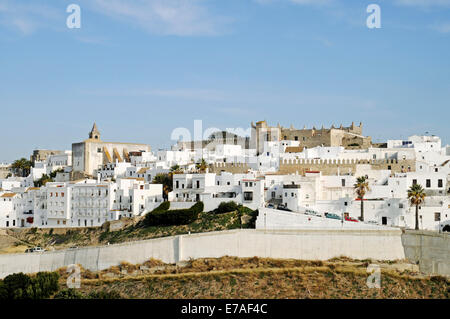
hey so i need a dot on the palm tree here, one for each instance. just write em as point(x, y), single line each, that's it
point(176, 169)
point(361, 188)
point(201, 166)
point(416, 196)
point(21, 167)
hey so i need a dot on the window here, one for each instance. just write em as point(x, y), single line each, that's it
point(436, 170)
point(62, 194)
point(177, 184)
point(198, 184)
point(296, 138)
point(343, 182)
point(437, 217)
point(400, 205)
point(428, 182)
point(439, 182)
point(248, 196)
point(414, 182)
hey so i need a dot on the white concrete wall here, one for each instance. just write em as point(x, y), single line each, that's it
point(300, 244)
point(430, 250)
point(278, 219)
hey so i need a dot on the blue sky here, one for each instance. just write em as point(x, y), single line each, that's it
point(141, 68)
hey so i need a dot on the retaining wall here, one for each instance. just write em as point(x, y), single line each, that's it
point(314, 244)
point(430, 250)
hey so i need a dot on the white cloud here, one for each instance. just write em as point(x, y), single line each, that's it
point(27, 18)
point(165, 17)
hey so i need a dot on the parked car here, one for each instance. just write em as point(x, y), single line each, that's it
point(270, 206)
point(333, 216)
point(282, 207)
point(312, 213)
point(36, 249)
point(350, 219)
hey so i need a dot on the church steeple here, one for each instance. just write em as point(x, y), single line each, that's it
point(94, 134)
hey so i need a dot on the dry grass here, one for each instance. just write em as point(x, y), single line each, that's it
point(230, 277)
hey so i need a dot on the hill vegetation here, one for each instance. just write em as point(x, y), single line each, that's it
point(231, 277)
point(161, 222)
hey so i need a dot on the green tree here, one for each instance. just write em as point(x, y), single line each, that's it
point(43, 180)
point(201, 166)
point(361, 188)
point(176, 169)
point(45, 284)
point(416, 196)
point(21, 167)
point(167, 181)
point(53, 174)
point(18, 286)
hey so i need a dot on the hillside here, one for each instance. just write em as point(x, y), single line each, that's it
point(121, 231)
point(230, 277)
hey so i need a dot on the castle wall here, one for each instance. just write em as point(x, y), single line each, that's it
point(235, 168)
point(332, 167)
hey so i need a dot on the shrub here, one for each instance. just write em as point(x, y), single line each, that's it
point(22, 286)
point(226, 207)
point(252, 221)
point(174, 217)
point(161, 208)
point(69, 294)
point(18, 286)
point(3, 291)
point(45, 284)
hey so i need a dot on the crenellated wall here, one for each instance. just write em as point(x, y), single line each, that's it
point(235, 168)
point(333, 166)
